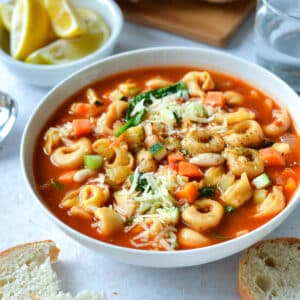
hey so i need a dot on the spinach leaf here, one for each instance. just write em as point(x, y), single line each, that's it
point(147, 97)
point(134, 121)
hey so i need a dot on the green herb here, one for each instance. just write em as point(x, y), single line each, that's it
point(93, 162)
point(229, 209)
point(176, 117)
point(56, 184)
point(142, 183)
point(266, 143)
point(148, 97)
point(219, 236)
point(134, 121)
point(129, 221)
point(98, 103)
point(207, 191)
point(131, 178)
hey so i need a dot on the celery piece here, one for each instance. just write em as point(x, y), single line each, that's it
point(93, 162)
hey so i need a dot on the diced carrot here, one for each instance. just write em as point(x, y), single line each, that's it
point(175, 157)
point(87, 110)
point(81, 127)
point(174, 166)
point(67, 177)
point(80, 109)
point(188, 192)
point(290, 185)
point(271, 157)
point(190, 170)
point(215, 99)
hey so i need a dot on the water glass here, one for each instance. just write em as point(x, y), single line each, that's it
point(277, 34)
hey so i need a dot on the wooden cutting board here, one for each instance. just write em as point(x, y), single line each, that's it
point(206, 22)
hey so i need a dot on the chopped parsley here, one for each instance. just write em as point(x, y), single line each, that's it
point(141, 182)
point(176, 117)
point(207, 191)
point(56, 184)
point(229, 209)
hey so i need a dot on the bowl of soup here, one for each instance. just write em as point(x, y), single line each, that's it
point(166, 157)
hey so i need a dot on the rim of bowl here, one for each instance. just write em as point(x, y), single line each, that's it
point(235, 241)
point(115, 32)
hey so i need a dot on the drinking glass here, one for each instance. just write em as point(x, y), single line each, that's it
point(277, 35)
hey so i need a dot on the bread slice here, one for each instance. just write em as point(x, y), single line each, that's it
point(271, 270)
point(26, 273)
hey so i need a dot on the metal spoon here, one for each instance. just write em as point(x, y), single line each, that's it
point(8, 115)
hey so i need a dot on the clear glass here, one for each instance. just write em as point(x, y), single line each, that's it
point(277, 35)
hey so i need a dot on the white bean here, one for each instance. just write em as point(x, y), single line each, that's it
point(82, 175)
point(207, 159)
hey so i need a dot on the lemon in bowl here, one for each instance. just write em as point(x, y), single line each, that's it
point(70, 36)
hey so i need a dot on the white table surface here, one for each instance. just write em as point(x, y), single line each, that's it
point(21, 220)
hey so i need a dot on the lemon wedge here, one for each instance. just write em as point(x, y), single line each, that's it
point(4, 38)
point(66, 50)
point(6, 11)
point(30, 27)
point(65, 20)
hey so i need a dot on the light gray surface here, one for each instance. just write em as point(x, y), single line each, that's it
point(23, 221)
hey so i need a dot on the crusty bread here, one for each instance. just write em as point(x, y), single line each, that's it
point(271, 270)
point(26, 273)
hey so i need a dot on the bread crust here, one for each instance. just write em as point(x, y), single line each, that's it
point(243, 290)
point(53, 250)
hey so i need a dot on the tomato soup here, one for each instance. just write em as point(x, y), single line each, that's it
point(167, 158)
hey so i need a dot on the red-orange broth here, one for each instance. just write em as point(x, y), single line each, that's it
point(242, 220)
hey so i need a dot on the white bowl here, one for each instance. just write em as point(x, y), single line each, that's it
point(49, 75)
point(207, 59)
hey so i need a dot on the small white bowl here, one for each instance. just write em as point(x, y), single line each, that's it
point(194, 57)
point(49, 75)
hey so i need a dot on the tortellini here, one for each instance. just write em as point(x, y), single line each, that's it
point(280, 124)
point(245, 134)
point(110, 221)
point(243, 160)
point(273, 204)
point(52, 140)
point(119, 169)
point(93, 195)
point(71, 156)
point(114, 113)
point(203, 214)
point(198, 82)
point(238, 193)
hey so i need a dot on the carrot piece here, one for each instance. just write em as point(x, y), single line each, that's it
point(66, 177)
point(87, 110)
point(271, 157)
point(190, 170)
point(174, 166)
point(175, 157)
point(215, 99)
point(81, 109)
point(81, 127)
point(188, 192)
point(290, 185)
